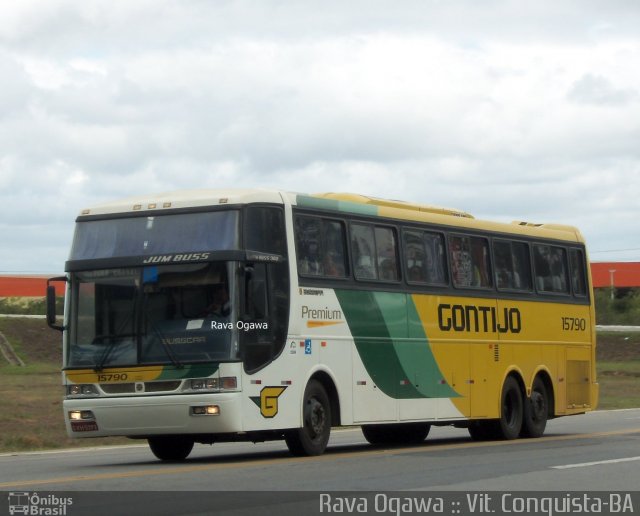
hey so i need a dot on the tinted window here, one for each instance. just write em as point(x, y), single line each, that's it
point(550, 264)
point(375, 252)
point(154, 235)
point(321, 247)
point(264, 230)
point(425, 257)
point(363, 249)
point(512, 265)
point(335, 253)
point(386, 254)
point(578, 277)
point(470, 265)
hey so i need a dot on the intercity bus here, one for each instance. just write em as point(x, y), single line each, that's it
point(249, 315)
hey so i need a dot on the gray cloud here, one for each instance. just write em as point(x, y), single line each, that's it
point(595, 89)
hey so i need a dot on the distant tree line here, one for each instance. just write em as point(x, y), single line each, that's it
point(27, 305)
point(622, 308)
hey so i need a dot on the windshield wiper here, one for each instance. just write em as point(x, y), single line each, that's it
point(165, 345)
point(105, 354)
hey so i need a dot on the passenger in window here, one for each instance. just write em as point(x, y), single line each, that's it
point(332, 267)
point(542, 266)
point(388, 270)
point(415, 274)
point(220, 306)
point(503, 276)
point(365, 267)
point(557, 272)
point(517, 281)
point(311, 265)
point(461, 263)
point(480, 264)
point(434, 259)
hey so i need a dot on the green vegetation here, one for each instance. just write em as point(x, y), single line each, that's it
point(623, 309)
point(28, 305)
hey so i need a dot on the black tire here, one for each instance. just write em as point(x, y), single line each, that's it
point(313, 437)
point(536, 410)
point(167, 447)
point(511, 410)
point(401, 433)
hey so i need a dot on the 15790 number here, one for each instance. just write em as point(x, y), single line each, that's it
point(113, 377)
point(574, 324)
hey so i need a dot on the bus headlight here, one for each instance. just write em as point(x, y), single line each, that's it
point(206, 410)
point(226, 383)
point(79, 415)
point(82, 390)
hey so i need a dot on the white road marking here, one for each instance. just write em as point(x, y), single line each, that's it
point(596, 463)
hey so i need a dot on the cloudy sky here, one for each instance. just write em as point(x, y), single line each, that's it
point(505, 109)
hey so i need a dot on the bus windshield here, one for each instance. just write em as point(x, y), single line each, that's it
point(164, 314)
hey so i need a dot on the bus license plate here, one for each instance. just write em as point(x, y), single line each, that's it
point(84, 426)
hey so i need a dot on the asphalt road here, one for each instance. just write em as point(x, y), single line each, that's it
point(594, 452)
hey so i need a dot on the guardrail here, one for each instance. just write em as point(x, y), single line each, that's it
point(629, 329)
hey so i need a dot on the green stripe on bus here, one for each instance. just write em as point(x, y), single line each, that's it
point(401, 367)
point(319, 203)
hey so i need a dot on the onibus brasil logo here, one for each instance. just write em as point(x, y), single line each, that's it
point(38, 505)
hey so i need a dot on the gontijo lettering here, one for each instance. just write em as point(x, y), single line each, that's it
point(486, 319)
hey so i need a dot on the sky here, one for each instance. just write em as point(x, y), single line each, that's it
point(507, 110)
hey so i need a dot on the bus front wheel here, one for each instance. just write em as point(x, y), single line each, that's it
point(168, 447)
point(313, 437)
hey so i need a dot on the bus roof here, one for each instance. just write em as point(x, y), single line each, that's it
point(337, 202)
point(432, 214)
point(177, 199)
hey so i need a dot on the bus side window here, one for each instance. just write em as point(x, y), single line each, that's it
point(512, 265)
point(334, 249)
point(503, 265)
point(425, 257)
point(308, 241)
point(436, 263)
point(578, 281)
point(551, 269)
point(386, 251)
point(521, 266)
point(470, 261)
point(362, 248)
point(415, 257)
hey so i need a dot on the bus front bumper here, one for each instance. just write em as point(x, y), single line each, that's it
point(154, 415)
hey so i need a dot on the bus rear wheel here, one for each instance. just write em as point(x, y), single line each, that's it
point(536, 410)
point(511, 410)
point(402, 433)
point(167, 447)
point(313, 437)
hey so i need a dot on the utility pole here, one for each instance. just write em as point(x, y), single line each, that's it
point(611, 273)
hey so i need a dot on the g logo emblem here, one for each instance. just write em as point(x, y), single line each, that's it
point(268, 401)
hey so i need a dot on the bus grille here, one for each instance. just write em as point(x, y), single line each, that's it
point(130, 388)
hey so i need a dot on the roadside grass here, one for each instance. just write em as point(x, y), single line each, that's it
point(619, 384)
point(31, 408)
